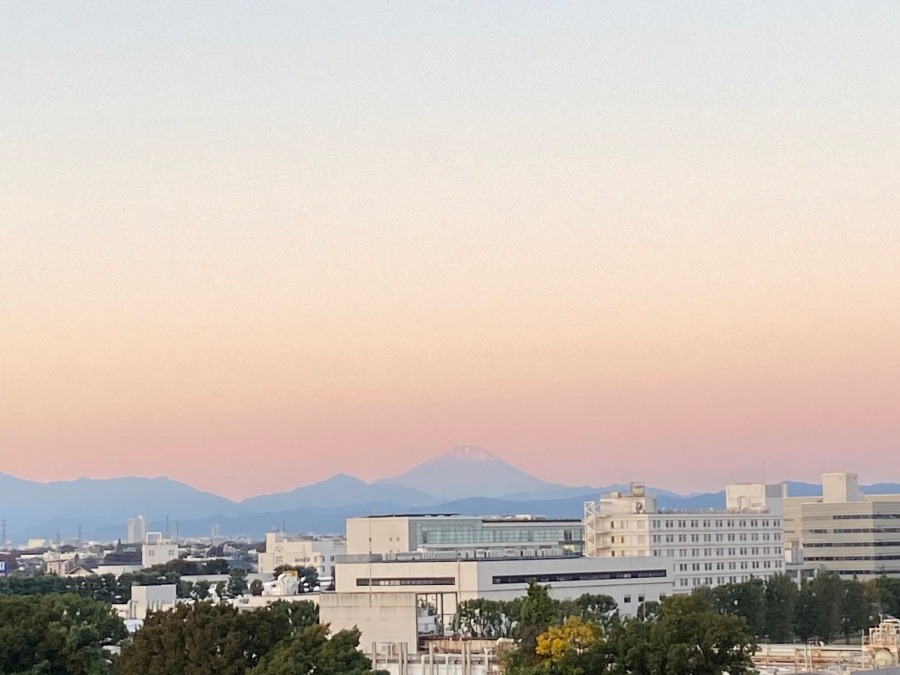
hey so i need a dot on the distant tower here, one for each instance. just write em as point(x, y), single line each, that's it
point(137, 530)
point(3, 541)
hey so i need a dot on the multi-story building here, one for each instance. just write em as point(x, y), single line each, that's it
point(405, 598)
point(316, 552)
point(707, 548)
point(137, 530)
point(843, 530)
point(465, 535)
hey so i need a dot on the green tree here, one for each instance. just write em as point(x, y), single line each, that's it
point(311, 651)
point(237, 582)
point(819, 609)
point(781, 608)
point(56, 633)
point(687, 636)
point(857, 610)
point(746, 599)
point(256, 587)
point(211, 639)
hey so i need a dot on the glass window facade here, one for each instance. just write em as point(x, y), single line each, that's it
point(465, 533)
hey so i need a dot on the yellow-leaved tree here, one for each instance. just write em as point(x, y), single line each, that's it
point(574, 636)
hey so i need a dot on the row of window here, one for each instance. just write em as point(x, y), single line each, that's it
point(851, 543)
point(718, 552)
point(744, 565)
point(854, 530)
point(826, 558)
point(719, 522)
point(579, 576)
point(695, 538)
point(406, 581)
point(685, 582)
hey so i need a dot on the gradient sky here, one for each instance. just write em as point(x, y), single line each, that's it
point(249, 245)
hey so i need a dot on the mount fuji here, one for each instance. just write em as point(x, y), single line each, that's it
point(471, 471)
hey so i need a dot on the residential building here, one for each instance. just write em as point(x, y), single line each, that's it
point(137, 530)
point(316, 552)
point(843, 530)
point(404, 598)
point(706, 548)
point(511, 535)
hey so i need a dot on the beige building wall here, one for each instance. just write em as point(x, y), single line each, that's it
point(389, 534)
point(844, 531)
point(381, 617)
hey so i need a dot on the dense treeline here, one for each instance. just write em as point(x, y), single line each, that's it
point(685, 634)
point(117, 590)
point(56, 633)
point(823, 608)
point(492, 619)
point(205, 638)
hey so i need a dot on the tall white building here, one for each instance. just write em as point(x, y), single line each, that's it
point(316, 552)
point(706, 548)
point(137, 530)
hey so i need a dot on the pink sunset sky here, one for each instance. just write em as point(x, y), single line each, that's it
point(249, 250)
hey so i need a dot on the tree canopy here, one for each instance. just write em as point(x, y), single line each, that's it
point(56, 634)
point(211, 639)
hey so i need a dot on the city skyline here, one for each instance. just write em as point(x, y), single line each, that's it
point(251, 249)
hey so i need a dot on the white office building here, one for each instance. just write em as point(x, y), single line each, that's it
point(406, 599)
point(706, 548)
point(315, 552)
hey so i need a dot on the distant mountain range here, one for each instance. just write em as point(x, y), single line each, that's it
point(467, 480)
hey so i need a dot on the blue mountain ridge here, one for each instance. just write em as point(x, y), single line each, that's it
point(101, 507)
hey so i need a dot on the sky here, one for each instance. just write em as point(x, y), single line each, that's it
point(250, 245)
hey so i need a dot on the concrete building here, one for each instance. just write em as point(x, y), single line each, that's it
point(843, 530)
point(706, 548)
point(158, 553)
point(137, 530)
point(403, 600)
point(147, 598)
point(316, 552)
point(453, 533)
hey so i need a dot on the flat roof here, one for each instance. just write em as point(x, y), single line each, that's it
point(485, 519)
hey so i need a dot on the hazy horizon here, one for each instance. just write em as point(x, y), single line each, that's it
point(250, 247)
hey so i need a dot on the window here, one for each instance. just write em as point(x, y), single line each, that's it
point(627, 599)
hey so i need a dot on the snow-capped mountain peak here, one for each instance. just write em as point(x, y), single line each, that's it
point(468, 453)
